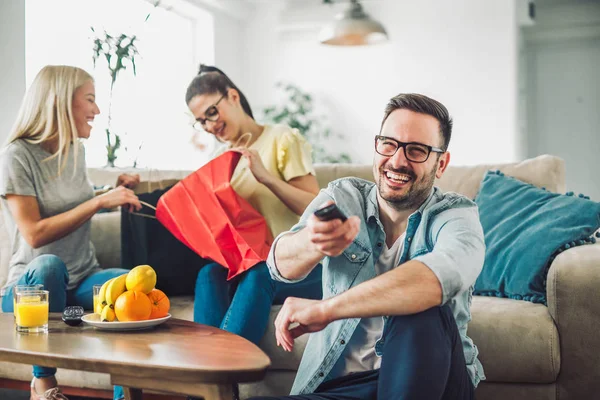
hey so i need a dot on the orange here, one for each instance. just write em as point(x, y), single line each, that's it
point(160, 304)
point(133, 306)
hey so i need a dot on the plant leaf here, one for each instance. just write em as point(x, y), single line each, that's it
point(297, 111)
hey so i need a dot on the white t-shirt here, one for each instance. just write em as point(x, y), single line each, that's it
point(359, 354)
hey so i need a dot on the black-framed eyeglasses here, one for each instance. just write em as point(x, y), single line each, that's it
point(211, 114)
point(413, 151)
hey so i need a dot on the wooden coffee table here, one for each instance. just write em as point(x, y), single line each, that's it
point(178, 357)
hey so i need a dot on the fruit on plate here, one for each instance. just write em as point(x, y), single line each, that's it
point(114, 289)
point(99, 308)
point(132, 297)
point(160, 304)
point(141, 278)
point(133, 305)
point(102, 295)
point(107, 314)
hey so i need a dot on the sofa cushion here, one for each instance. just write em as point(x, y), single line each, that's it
point(524, 228)
point(106, 237)
point(517, 340)
point(543, 171)
point(330, 172)
point(108, 176)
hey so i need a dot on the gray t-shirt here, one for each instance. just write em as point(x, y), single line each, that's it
point(23, 171)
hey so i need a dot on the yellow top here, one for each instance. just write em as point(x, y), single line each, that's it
point(285, 154)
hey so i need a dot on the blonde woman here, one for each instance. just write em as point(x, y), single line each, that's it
point(48, 202)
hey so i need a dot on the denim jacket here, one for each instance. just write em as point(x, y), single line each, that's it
point(444, 233)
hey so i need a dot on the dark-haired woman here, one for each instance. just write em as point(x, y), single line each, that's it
point(276, 176)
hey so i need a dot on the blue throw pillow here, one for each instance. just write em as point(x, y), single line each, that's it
point(525, 227)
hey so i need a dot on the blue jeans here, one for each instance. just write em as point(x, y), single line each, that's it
point(51, 271)
point(423, 359)
point(242, 305)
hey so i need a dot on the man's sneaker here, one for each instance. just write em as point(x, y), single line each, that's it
point(50, 394)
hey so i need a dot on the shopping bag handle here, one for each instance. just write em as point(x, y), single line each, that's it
point(247, 134)
point(145, 215)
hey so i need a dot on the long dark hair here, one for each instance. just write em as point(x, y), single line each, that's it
point(212, 80)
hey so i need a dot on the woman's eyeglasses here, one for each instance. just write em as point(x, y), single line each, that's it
point(211, 114)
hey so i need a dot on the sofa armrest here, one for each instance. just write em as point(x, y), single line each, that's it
point(574, 304)
point(106, 237)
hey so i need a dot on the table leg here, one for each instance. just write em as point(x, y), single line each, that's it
point(132, 393)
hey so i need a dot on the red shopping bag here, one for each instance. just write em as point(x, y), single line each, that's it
point(206, 214)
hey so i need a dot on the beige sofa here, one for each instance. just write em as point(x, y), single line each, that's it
point(529, 351)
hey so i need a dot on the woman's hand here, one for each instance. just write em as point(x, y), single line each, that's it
point(129, 181)
point(119, 197)
point(255, 164)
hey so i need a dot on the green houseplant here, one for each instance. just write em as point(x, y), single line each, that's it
point(297, 111)
point(119, 52)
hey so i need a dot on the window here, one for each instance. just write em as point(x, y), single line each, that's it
point(148, 111)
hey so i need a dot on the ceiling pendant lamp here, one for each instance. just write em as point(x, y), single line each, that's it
point(353, 27)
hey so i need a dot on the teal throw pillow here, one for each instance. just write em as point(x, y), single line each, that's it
point(525, 227)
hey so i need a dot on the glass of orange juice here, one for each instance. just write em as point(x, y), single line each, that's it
point(22, 288)
point(31, 311)
point(96, 294)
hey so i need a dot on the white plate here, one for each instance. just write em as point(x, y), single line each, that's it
point(94, 320)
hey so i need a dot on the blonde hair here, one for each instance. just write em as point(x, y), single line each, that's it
point(46, 113)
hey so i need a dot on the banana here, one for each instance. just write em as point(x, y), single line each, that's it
point(102, 295)
point(108, 314)
point(114, 290)
point(99, 308)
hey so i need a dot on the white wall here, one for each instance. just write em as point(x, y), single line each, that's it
point(12, 67)
point(563, 89)
point(463, 53)
point(229, 33)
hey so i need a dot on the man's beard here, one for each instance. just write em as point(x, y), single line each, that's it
point(417, 193)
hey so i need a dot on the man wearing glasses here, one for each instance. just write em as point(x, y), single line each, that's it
point(397, 274)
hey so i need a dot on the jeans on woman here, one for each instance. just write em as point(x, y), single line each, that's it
point(242, 305)
point(50, 271)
